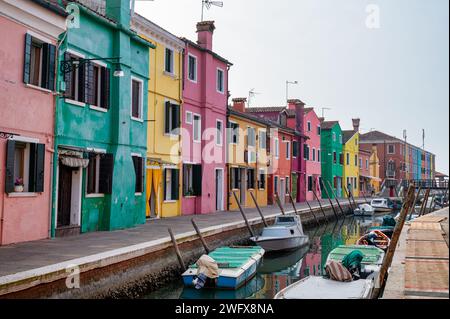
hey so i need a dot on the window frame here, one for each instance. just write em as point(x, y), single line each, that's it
point(234, 126)
point(218, 70)
point(393, 148)
point(192, 118)
point(195, 80)
point(172, 62)
point(138, 155)
point(262, 136)
point(141, 100)
point(276, 147)
point(97, 193)
point(197, 130)
point(288, 150)
point(219, 133)
point(77, 77)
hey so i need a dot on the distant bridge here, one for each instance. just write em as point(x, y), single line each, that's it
point(426, 184)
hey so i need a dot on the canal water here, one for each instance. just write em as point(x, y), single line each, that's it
point(281, 270)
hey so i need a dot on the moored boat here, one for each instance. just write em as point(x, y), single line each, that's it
point(382, 204)
point(375, 238)
point(371, 262)
point(233, 267)
point(364, 210)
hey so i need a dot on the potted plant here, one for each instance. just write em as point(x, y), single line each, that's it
point(18, 185)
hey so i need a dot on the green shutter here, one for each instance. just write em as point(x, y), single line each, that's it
point(27, 59)
point(40, 168)
point(197, 179)
point(89, 84)
point(106, 87)
point(81, 84)
point(48, 66)
point(167, 118)
point(68, 79)
point(175, 184)
point(9, 176)
point(165, 184)
point(176, 117)
point(106, 173)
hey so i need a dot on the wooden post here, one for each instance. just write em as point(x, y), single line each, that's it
point(320, 204)
point(259, 210)
point(395, 236)
point(331, 203)
point(364, 195)
point(335, 197)
point(348, 197)
point(312, 212)
point(415, 202)
point(177, 251)
point(433, 204)
point(424, 203)
point(199, 233)
point(252, 234)
point(293, 204)
point(279, 204)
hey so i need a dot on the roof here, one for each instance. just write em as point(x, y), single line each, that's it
point(198, 47)
point(439, 174)
point(308, 109)
point(347, 135)
point(376, 136)
point(361, 150)
point(52, 5)
point(247, 116)
point(291, 113)
point(269, 109)
point(328, 125)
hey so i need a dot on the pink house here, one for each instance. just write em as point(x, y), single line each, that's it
point(312, 153)
point(29, 32)
point(204, 122)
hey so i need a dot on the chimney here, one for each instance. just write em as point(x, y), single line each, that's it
point(239, 104)
point(205, 32)
point(119, 11)
point(299, 108)
point(321, 119)
point(356, 123)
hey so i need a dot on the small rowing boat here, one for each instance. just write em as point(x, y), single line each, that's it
point(375, 238)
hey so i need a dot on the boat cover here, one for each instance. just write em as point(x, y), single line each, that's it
point(336, 271)
point(208, 267)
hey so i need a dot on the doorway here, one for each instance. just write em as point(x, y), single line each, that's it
point(219, 189)
point(243, 185)
point(282, 190)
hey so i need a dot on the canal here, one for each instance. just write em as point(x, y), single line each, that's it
point(280, 270)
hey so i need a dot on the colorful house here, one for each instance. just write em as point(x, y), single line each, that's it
point(365, 187)
point(204, 118)
point(163, 167)
point(100, 128)
point(247, 157)
point(29, 30)
point(312, 154)
point(351, 160)
point(332, 158)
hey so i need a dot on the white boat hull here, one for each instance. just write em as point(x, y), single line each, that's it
point(281, 244)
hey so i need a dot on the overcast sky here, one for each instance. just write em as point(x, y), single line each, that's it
point(394, 77)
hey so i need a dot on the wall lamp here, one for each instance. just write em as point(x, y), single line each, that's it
point(74, 64)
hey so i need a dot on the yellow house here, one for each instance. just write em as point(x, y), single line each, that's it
point(375, 169)
point(163, 170)
point(351, 162)
point(247, 159)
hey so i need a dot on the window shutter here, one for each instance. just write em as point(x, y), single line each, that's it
point(89, 84)
point(9, 176)
point(197, 179)
point(82, 82)
point(40, 166)
point(27, 60)
point(68, 79)
point(106, 87)
point(142, 174)
point(167, 118)
point(106, 173)
point(176, 117)
point(165, 184)
point(48, 66)
point(175, 184)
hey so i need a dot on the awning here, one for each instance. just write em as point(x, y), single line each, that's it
point(377, 179)
point(74, 162)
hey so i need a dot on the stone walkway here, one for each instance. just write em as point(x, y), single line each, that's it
point(33, 255)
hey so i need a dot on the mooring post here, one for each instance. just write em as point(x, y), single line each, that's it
point(243, 215)
point(312, 212)
point(293, 204)
point(320, 205)
point(433, 204)
point(424, 203)
point(415, 202)
point(335, 197)
point(331, 203)
point(279, 204)
point(199, 233)
point(395, 237)
point(258, 209)
point(177, 251)
point(348, 197)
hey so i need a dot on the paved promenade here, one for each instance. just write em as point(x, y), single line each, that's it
point(420, 268)
point(32, 256)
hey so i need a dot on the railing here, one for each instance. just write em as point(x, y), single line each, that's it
point(426, 183)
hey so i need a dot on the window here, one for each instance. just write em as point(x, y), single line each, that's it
point(251, 157)
point(234, 132)
point(24, 166)
point(220, 81)
point(310, 183)
point(367, 163)
point(250, 179)
point(39, 63)
point(235, 178)
point(275, 185)
point(189, 118)
point(192, 180)
point(99, 174)
point(219, 133)
point(340, 139)
point(347, 158)
point(251, 137)
point(172, 119)
point(295, 149)
point(314, 155)
point(288, 185)
point(169, 61)
point(171, 184)
point(360, 163)
point(391, 149)
point(319, 130)
point(334, 158)
point(277, 148)
point(306, 152)
point(262, 179)
point(138, 163)
point(197, 128)
point(136, 99)
point(262, 140)
point(288, 150)
point(356, 159)
point(308, 124)
point(334, 137)
point(341, 159)
point(192, 68)
point(318, 156)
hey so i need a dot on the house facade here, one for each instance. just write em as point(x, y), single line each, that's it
point(247, 162)
point(374, 166)
point(331, 140)
point(27, 85)
point(351, 160)
point(365, 187)
point(100, 128)
point(312, 154)
point(204, 118)
point(164, 170)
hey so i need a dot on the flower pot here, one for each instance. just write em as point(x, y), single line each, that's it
point(18, 188)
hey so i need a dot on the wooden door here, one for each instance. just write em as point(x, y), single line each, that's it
point(64, 195)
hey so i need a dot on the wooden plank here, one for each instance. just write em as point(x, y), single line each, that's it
point(426, 249)
point(430, 219)
point(421, 234)
point(427, 277)
point(426, 226)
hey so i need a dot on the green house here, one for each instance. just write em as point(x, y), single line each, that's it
point(332, 159)
point(100, 127)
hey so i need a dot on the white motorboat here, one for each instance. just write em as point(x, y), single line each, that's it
point(286, 234)
point(381, 205)
point(364, 210)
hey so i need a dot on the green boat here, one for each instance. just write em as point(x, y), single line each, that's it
point(373, 256)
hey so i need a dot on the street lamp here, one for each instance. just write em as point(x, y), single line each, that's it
point(287, 88)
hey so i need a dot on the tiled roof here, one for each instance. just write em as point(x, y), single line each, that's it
point(377, 136)
point(308, 109)
point(52, 5)
point(265, 109)
point(328, 125)
point(347, 135)
point(250, 117)
point(198, 47)
point(291, 113)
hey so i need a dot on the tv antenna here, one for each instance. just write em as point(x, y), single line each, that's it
point(251, 95)
point(209, 3)
point(325, 109)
